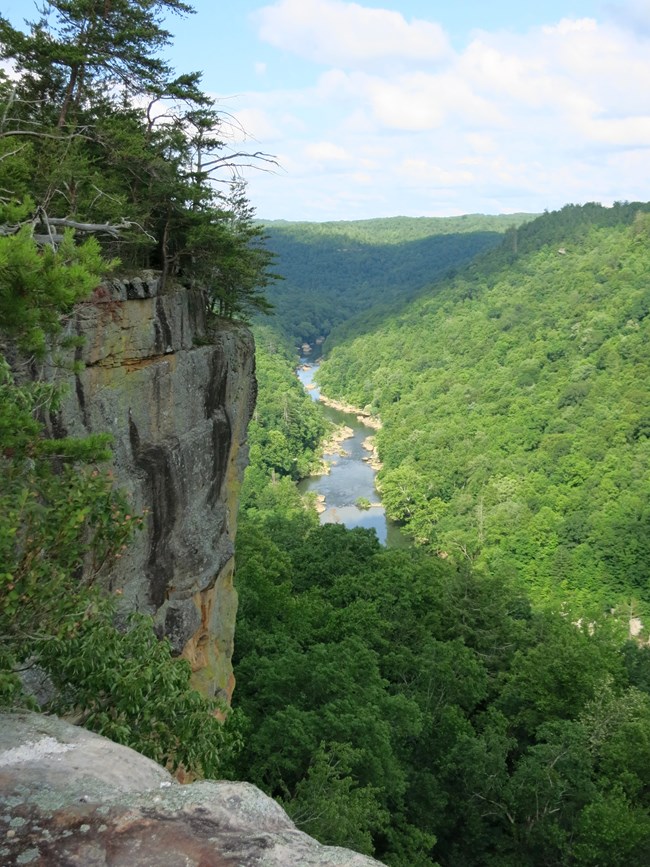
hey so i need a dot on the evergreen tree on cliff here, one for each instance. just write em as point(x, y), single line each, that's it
point(99, 134)
point(81, 48)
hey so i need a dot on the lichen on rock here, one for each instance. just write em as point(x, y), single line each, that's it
point(68, 796)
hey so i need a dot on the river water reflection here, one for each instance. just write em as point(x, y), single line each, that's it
point(350, 477)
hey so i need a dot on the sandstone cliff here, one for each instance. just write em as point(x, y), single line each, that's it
point(68, 796)
point(177, 398)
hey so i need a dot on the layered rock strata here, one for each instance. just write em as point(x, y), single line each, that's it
point(177, 396)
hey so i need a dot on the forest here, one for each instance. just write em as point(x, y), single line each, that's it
point(332, 271)
point(515, 404)
point(475, 700)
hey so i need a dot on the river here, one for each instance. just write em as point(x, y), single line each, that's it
point(350, 477)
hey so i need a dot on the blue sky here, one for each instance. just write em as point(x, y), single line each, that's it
point(428, 108)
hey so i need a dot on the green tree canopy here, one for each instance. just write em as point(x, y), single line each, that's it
point(99, 134)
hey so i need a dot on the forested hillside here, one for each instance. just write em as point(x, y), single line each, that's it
point(516, 406)
point(287, 428)
point(333, 270)
point(468, 702)
point(471, 701)
point(416, 708)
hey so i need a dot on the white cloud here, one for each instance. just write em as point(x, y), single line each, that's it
point(567, 26)
point(258, 124)
point(423, 171)
point(630, 132)
point(513, 121)
point(481, 143)
point(338, 33)
point(511, 75)
point(423, 101)
point(409, 104)
point(326, 151)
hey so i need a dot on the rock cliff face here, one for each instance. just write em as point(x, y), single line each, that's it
point(68, 796)
point(177, 398)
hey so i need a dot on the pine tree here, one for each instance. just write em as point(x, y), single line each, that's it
point(79, 48)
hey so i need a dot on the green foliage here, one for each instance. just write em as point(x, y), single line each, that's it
point(55, 522)
point(335, 271)
point(240, 261)
point(514, 400)
point(98, 131)
point(399, 230)
point(38, 286)
point(420, 712)
point(287, 426)
point(413, 703)
point(83, 49)
point(59, 513)
point(330, 806)
point(127, 686)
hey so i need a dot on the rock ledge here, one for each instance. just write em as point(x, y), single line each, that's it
point(70, 797)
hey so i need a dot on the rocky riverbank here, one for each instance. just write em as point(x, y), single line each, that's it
point(333, 445)
point(370, 445)
point(363, 417)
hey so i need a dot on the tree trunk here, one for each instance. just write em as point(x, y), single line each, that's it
point(69, 93)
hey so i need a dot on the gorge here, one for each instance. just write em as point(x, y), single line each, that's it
point(472, 699)
point(454, 690)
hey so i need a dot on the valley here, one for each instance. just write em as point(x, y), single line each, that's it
point(443, 703)
point(425, 655)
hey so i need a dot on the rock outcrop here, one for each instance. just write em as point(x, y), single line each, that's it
point(68, 797)
point(177, 397)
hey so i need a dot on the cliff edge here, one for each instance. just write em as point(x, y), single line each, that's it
point(176, 394)
point(68, 796)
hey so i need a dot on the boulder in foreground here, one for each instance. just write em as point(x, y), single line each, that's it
point(68, 796)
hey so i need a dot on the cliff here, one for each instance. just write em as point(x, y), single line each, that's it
point(177, 396)
point(68, 796)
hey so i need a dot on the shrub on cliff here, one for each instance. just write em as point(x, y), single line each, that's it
point(126, 685)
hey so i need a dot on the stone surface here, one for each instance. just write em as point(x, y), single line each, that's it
point(69, 797)
point(177, 397)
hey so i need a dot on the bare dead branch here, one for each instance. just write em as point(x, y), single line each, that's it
point(112, 229)
point(12, 154)
point(228, 160)
point(50, 234)
point(52, 238)
point(12, 230)
point(28, 132)
point(10, 101)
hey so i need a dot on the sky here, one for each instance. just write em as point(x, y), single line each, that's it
point(408, 107)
